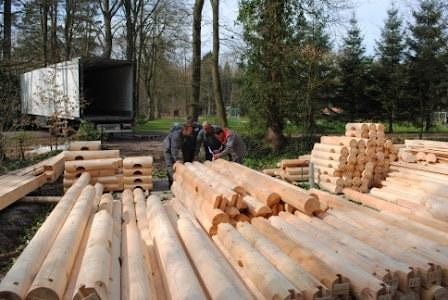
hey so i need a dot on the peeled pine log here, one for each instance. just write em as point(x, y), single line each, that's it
point(357, 133)
point(328, 156)
point(358, 126)
point(294, 163)
point(94, 164)
point(406, 156)
point(309, 286)
point(256, 207)
point(115, 264)
point(336, 189)
point(296, 178)
point(304, 257)
point(50, 282)
point(209, 264)
point(363, 283)
point(339, 140)
point(135, 275)
point(137, 172)
point(198, 186)
point(426, 144)
point(54, 167)
point(328, 171)
point(93, 173)
point(106, 203)
point(180, 277)
point(40, 199)
point(327, 163)
point(88, 155)
point(270, 172)
point(290, 194)
point(84, 145)
point(17, 281)
point(399, 272)
point(270, 282)
point(341, 150)
point(297, 171)
point(136, 179)
point(329, 179)
point(93, 278)
point(137, 162)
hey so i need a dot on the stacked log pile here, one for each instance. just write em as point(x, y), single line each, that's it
point(166, 252)
point(225, 192)
point(360, 160)
point(416, 182)
point(137, 172)
point(291, 170)
point(104, 166)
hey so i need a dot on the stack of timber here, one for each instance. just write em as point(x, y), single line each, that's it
point(291, 170)
point(94, 247)
point(104, 166)
point(17, 184)
point(360, 160)
point(226, 192)
point(137, 172)
point(424, 152)
point(416, 184)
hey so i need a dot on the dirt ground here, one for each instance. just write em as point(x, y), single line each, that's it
point(20, 221)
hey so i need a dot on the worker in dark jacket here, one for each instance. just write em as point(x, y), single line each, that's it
point(189, 145)
point(206, 137)
point(232, 145)
point(173, 145)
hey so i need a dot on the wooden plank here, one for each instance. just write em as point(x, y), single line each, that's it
point(14, 188)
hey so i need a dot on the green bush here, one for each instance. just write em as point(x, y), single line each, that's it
point(88, 132)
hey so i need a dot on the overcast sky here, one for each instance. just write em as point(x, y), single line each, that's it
point(371, 15)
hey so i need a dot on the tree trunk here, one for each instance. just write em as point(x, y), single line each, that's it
point(275, 136)
point(7, 30)
point(196, 60)
point(54, 30)
point(107, 19)
point(68, 28)
point(391, 122)
point(44, 24)
point(220, 109)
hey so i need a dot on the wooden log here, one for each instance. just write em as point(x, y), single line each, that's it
point(232, 211)
point(309, 286)
point(93, 278)
point(297, 171)
point(93, 173)
point(406, 156)
point(256, 208)
point(137, 172)
point(137, 162)
point(115, 269)
point(403, 274)
point(290, 194)
point(94, 164)
point(13, 188)
point(294, 163)
point(54, 167)
point(40, 199)
point(327, 163)
point(330, 179)
point(339, 140)
point(180, 277)
point(209, 265)
point(327, 171)
point(315, 154)
point(296, 178)
point(363, 283)
point(17, 281)
point(435, 292)
point(88, 155)
point(84, 145)
point(336, 189)
point(136, 179)
point(357, 126)
point(106, 203)
point(330, 148)
point(136, 273)
point(305, 258)
point(48, 283)
point(270, 282)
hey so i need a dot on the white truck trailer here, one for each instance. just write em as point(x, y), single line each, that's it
point(97, 90)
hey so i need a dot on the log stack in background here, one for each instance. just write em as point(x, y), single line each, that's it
point(419, 180)
point(137, 172)
point(360, 160)
point(104, 166)
point(291, 170)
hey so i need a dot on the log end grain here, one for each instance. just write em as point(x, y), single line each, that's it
point(42, 293)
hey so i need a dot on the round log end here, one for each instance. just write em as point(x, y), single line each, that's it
point(312, 205)
point(9, 295)
point(42, 293)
